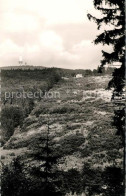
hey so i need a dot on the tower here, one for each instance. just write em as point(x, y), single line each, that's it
point(20, 61)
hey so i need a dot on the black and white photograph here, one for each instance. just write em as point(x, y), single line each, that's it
point(62, 95)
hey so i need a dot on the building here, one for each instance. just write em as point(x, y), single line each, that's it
point(79, 76)
point(113, 65)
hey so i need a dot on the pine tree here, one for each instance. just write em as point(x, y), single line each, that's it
point(119, 122)
point(113, 179)
point(47, 170)
point(113, 15)
point(13, 179)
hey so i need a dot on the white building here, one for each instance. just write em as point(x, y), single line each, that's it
point(116, 65)
point(79, 76)
point(113, 65)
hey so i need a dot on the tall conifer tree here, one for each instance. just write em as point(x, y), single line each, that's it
point(112, 15)
point(47, 170)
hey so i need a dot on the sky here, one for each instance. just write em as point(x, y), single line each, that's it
point(51, 33)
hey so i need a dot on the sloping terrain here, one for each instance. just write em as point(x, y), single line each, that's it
point(80, 120)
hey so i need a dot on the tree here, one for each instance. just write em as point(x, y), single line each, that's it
point(113, 181)
point(47, 170)
point(119, 122)
point(72, 181)
point(113, 15)
point(92, 180)
point(13, 180)
point(11, 117)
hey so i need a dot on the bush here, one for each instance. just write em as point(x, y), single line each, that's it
point(2, 157)
point(72, 181)
point(11, 117)
point(12, 154)
point(41, 109)
point(65, 108)
point(71, 144)
point(13, 181)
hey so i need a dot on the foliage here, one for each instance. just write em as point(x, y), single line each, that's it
point(13, 180)
point(11, 117)
point(107, 182)
point(119, 122)
point(43, 177)
point(47, 170)
point(14, 109)
point(92, 180)
point(64, 108)
point(71, 144)
point(113, 179)
point(113, 14)
point(72, 181)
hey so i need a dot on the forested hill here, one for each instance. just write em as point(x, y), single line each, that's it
point(64, 72)
point(23, 67)
point(81, 127)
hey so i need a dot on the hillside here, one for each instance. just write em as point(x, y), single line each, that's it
point(22, 67)
point(80, 121)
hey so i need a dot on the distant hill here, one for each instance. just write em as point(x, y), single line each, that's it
point(23, 67)
point(62, 71)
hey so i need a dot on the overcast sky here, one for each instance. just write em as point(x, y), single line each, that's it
point(48, 33)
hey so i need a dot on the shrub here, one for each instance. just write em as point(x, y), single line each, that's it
point(11, 117)
point(12, 154)
point(2, 157)
point(13, 181)
point(65, 108)
point(71, 144)
point(41, 109)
